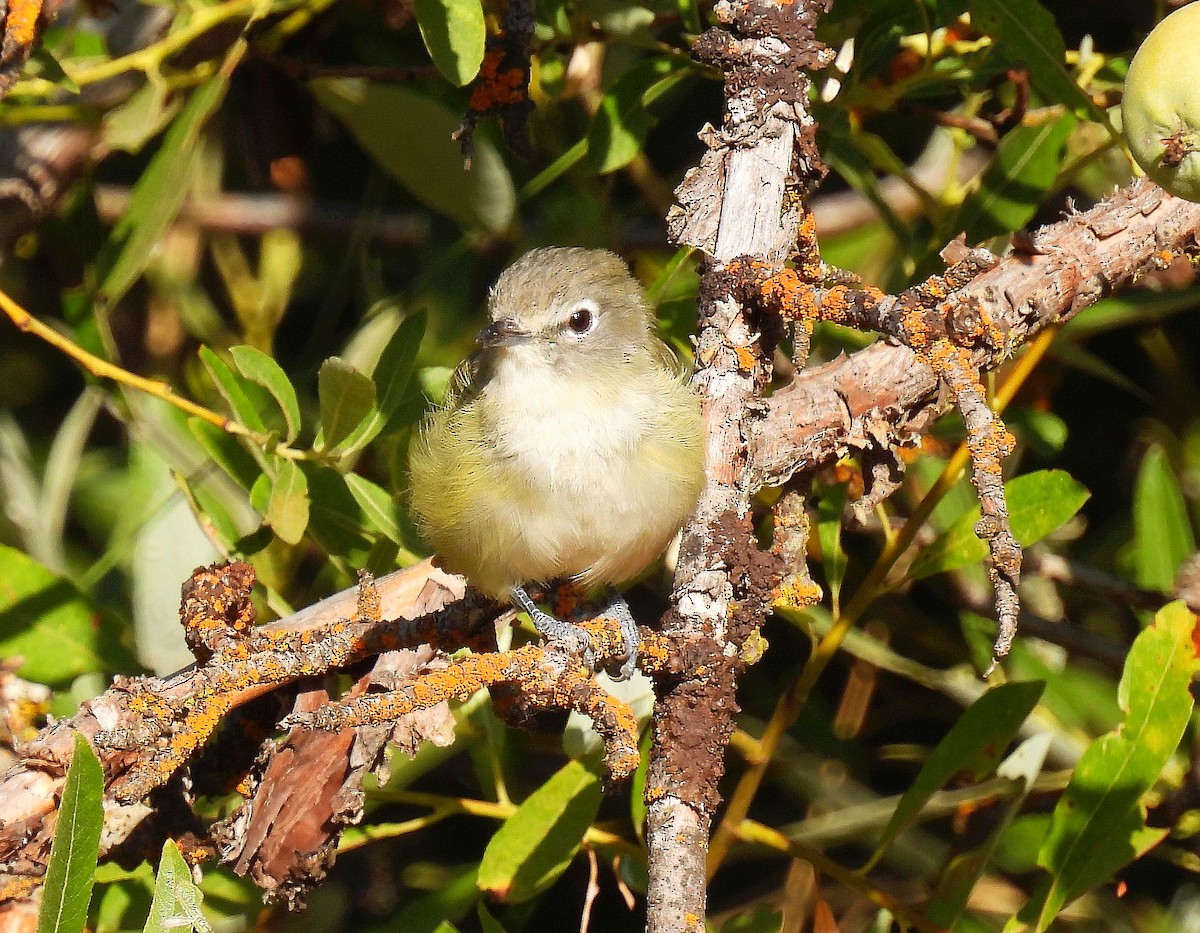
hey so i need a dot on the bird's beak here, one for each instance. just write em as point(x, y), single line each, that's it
point(501, 333)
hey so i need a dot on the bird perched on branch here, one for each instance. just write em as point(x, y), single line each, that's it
point(569, 444)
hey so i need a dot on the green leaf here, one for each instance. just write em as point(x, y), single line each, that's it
point(287, 509)
point(948, 905)
point(379, 508)
point(974, 743)
point(829, 535)
point(76, 846)
point(1098, 825)
point(226, 451)
point(233, 389)
point(264, 371)
point(620, 125)
point(1025, 34)
point(337, 521)
point(427, 163)
point(176, 905)
point(1038, 503)
point(1162, 532)
point(51, 625)
point(537, 843)
point(454, 33)
point(393, 374)
point(347, 401)
point(159, 193)
point(1025, 166)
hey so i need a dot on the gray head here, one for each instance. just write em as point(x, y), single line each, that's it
point(565, 304)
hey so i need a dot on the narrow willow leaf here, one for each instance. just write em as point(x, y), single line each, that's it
point(975, 743)
point(226, 451)
point(1025, 166)
point(1038, 503)
point(1162, 531)
point(264, 371)
point(288, 507)
point(159, 193)
point(379, 508)
point(76, 845)
point(1025, 33)
point(536, 844)
point(1098, 825)
point(454, 33)
point(347, 401)
point(176, 905)
point(233, 389)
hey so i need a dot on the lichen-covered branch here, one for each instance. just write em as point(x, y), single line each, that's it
point(745, 197)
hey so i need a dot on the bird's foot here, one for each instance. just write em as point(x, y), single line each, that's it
point(618, 609)
point(565, 635)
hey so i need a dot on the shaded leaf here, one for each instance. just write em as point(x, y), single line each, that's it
point(76, 846)
point(413, 145)
point(974, 743)
point(454, 33)
point(1038, 503)
point(1162, 531)
point(537, 843)
point(620, 125)
point(1025, 165)
point(347, 402)
point(159, 193)
point(1025, 33)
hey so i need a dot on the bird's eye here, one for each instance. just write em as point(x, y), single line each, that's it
point(581, 320)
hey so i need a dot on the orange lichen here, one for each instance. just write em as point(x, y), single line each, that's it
point(498, 86)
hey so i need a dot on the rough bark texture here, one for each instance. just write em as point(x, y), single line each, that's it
point(837, 409)
point(740, 200)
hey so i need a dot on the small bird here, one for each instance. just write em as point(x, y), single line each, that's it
point(568, 446)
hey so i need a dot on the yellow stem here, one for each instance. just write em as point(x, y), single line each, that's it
point(102, 369)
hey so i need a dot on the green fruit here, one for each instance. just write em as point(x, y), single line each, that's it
point(1161, 107)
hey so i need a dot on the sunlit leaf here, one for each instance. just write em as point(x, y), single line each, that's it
point(73, 853)
point(264, 371)
point(347, 402)
point(1038, 503)
point(50, 625)
point(1099, 823)
point(288, 507)
point(176, 905)
point(536, 844)
point(454, 33)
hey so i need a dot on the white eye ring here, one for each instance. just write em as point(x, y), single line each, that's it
point(582, 319)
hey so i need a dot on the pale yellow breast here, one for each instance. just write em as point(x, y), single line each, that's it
point(587, 479)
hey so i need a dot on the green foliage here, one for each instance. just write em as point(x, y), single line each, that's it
point(1038, 503)
point(537, 843)
point(317, 320)
point(69, 874)
point(176, 904)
